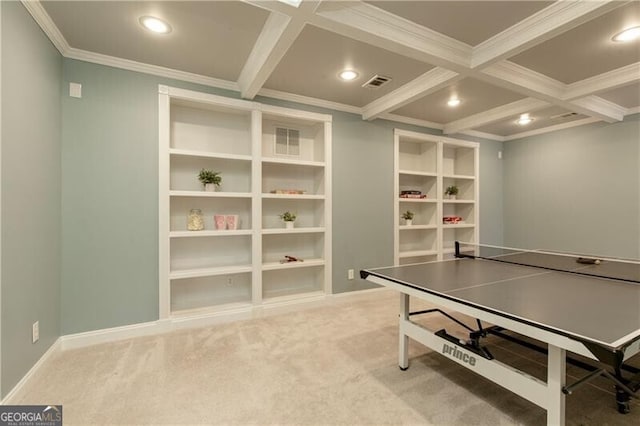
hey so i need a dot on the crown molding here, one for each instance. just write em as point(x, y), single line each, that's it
point(549, 129)
point(631, 111)
point(547, 23)
point(307, 100)
point(413, 121)
point(603, 82)
point(429, 82)
point(45, 22)
point(483, 135)
point(378, 27)
point(495, 114)
point(111, 61)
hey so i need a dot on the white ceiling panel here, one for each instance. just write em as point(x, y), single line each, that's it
point(627, 96)
point(564, 53)
point(312, 64)
point(208, 38)
point(475, 97)
point(543, 118)
point(471, 22)
point(587, 50)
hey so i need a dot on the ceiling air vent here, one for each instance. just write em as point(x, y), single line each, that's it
point(376, 81)
point(563, 116)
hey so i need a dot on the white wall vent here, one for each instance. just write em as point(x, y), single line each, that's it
point(376, 81)
point(287, 142)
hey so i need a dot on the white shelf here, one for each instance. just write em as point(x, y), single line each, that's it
point(220, 233)
point(307, 296)
point(458, 201)
point(209, 272)
point(292, 162)
point(210, 310)
point(459, 177)
point(417, 200)
point(416, 253)
point(205, 154)
point(293, 231)
point(242, 140)
point(416, 227)
point(417, 173)
point(294, 196)
point(272, 266)
point(430, 164)
point(205, 194)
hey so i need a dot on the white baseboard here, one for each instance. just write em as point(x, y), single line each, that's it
point(107, 335)
point(10, 398)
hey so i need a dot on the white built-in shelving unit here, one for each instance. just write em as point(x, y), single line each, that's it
point(430, 164)
point(257, 149)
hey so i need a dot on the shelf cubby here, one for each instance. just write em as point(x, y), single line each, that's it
point(425, 213)
point(292, 176)
point(309, 213)
point(215, 291)
point(425, 184)
point(310, 138)
point(418, 155)
point(184, 170)
point(466, 187)
point(210, 128)
point(452, 234)
point(407, 260)
point(464, 210)
point(458, 160)
point(180, 207)
point(306, 246)
point(418, 240)
point(189, 254)
point(285, 283)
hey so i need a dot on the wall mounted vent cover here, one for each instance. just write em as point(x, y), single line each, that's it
point(563, 116)
point(376, 81)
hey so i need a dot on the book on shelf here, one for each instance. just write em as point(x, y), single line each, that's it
point(417, 196)
point(289, 191)
point(410, 191)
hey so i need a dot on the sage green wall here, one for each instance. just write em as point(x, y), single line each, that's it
point(110, 186)
point(31, 76)
point(575, 190)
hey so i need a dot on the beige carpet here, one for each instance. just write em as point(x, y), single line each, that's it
point(330, 365)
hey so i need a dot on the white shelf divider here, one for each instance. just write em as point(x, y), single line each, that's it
point(204, 194)
point(209, 272)
point(204, 154)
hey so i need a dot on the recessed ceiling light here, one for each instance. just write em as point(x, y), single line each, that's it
point(154, 24)
point(453, 102)
point(629, 34)
point(524, 119)
point(348, 75)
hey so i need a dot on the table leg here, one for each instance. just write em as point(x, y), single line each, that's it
point(556, 378)
point(403, 352)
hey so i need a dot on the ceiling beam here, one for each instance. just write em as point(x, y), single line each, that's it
point(603, 82)
point(277, 36)
point(429, 82)
point(493, 115)
point(547, 23)
point(377, 27)
point(522, 80)
point(599, 108)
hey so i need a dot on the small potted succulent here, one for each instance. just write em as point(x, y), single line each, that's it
point(210, 179)
point(288, 218)
point(408, 217)
point(451, 192)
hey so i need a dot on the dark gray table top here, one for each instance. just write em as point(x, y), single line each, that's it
point(602, 310)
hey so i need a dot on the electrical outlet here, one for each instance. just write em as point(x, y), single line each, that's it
point(35, 331)
point(229, 282)
point(350, 274)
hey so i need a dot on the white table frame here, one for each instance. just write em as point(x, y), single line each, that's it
point(547, 395)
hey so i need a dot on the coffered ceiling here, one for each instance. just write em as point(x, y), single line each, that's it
point(500, 58)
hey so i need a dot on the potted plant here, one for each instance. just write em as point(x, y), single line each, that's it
point(210, 179)
point(451, 192)
point(288, 218)
point(408, 217)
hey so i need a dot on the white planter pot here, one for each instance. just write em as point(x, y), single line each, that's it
point(451, 197)
point(288, 224)
point(210, 187)
point(408, 222)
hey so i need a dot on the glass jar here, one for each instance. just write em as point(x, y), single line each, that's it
point(195, 220)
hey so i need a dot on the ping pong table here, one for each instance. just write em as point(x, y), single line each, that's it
point(580, 305)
